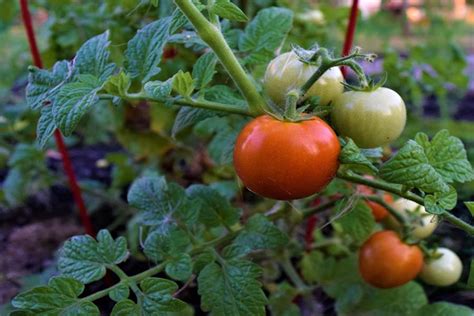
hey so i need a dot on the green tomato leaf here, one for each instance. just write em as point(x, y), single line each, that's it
point(228, 10)
point(444, 309)
point(180, 268)
point(160, 203)
point(358, 222)
point(183, 83)
point(118, 84)
point(403, 300)
point(59, 297)
point(15, 186)
point(85, 259)
point(215, 210)
point(43, 84)
point(159, 90)
point(352, 155)
point(46, 126)
point(448, 156)
point(410, 167)
point(232, 289)
point(281, 301)
point(126, 308)
point(259, 234)
point(188, 116)
point(92, 58)
point(224, 94)
point(120, 293)
point(308, 263)
point(172, 244)
point(265, 33)
point(73, 101)
point(439, 202)
point(144, 191)
point(145, 49)
point(26, 157)
point(158, 296)
point(204, 70)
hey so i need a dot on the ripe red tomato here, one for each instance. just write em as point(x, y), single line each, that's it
point(386, 262)
point(286, 160)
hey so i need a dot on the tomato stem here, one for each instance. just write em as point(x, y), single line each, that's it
point(212, 36)
point(292, 274)
point(327, 62)
point(197, 103)
point(398, 190)
point(398, 216)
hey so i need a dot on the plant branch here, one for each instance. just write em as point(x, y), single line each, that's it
point(456, 221)
point(201, 103)
point(398, 216)
point(291, 273)
point(327, 62)
point(211, 35)
point(397, 189)
point(158, 268)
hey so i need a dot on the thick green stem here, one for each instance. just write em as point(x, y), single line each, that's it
point(377, 199)
point(291, 273)
point(124, 280)
point(202, 104)
point(397, 189)
point(381, 185)
point(458, 222)
point(211, 35)
point(327, 62)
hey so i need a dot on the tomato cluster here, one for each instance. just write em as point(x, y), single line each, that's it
point(296, 158)
point(293, 158)
point(385, 261)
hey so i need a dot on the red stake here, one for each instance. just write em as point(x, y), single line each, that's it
point(350, 32)
point(68, 168)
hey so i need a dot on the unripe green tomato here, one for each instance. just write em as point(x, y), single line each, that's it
point(443, 271)
point(371, 119)
point(286, 72)
point(425, 225)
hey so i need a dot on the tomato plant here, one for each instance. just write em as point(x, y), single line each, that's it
point(276, 159)
point(190, 240)
point(370, 118)
point(386, 262)
point(443, 269)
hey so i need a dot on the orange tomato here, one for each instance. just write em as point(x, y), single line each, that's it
point(286, 160)
point(378, 211)
point(385, 261)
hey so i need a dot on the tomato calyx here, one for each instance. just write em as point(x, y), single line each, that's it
point(296, 102)
point(321, 57)
point(369, 86)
